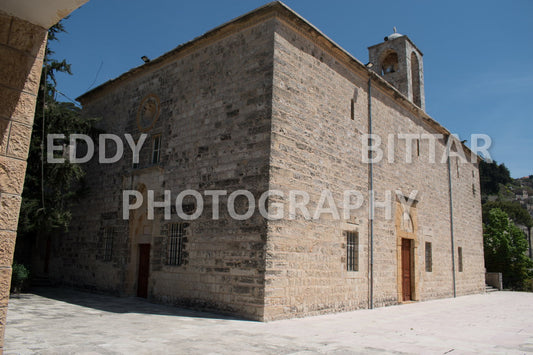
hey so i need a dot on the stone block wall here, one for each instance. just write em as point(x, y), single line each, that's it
point(494, 279)
point(317, 145)
point(214, 123)
point(22, 47)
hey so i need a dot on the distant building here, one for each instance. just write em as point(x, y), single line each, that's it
point(268, 102)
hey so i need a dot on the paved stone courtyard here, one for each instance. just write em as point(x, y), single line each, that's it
point(63, 321)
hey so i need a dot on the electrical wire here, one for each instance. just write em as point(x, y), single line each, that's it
point(68, 98)
point(96, 76)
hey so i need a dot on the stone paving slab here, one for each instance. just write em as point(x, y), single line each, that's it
point(63, 321)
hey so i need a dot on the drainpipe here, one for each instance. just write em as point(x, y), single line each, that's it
point(451, 213)
point(371, 202)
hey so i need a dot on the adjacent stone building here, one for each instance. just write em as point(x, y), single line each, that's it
point(268, 102)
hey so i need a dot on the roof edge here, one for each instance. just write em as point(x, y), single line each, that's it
point(394, 39)
point(263, 12)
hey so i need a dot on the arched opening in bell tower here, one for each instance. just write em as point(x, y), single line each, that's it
point(415, 79)
point(389, 64)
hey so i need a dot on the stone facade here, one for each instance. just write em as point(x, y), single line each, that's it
point(214, 124)
point(315, 145)
point(267, 102)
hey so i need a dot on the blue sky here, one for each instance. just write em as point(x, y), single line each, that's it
point(478, 55)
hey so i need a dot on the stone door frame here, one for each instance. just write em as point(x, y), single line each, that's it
point(404, 231)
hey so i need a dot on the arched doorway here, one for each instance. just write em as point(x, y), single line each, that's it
point(407, 245)
point(140, 237)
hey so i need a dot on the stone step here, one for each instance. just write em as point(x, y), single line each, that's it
point(489, 288)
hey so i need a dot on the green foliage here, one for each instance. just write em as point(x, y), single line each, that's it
point(491, 176)
point(505, 247)
point(19, 276)
point(51, 65)
point(50, 189)
point(514, 210)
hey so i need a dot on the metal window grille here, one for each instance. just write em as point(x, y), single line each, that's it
point(460, 258)
point(429, 257)
point(352, 251)
point(156, 149)
point(108, 243)
point(175, 244)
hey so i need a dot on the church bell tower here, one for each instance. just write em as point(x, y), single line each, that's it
point(400, 62)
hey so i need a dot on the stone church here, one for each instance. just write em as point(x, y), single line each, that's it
point(268, 102)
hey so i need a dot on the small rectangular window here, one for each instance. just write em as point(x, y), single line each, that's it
point(352, 251)
point(156, 149)
point(418, 147)
point(108, 243)
point(352, 109)
point(175, 244)
point(460, 259)
point(429, 257)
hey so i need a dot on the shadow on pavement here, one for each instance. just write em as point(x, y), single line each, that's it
point(115, 304)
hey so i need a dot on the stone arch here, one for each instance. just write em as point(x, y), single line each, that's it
point(406, 223)
point(389, 62)
point(138, 218)
point(140, 232)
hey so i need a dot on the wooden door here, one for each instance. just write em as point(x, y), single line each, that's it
point(406, 269)
point(144, 270)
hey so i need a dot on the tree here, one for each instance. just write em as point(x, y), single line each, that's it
point(50, 189)
point(514, 210)
point(491, 176)
point(505, 246)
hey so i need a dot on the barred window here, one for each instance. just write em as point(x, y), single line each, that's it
point(460, 258)
point(352, 251)
point(175, 243)
point(108, 243)
point(429, 257)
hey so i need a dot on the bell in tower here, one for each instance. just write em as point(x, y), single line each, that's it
point(399, 62)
